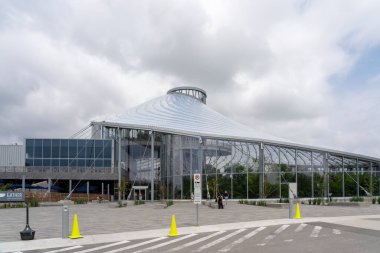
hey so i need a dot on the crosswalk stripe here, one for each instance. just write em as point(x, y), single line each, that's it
point(247, 236)
point(336, 231)
point(137, 245)
point(220, 240)
point(198, 241)
point(270, 237)
point(315, 232)
point(65, 249)
point(165, 243)
point(300, 227)
point(103, 247)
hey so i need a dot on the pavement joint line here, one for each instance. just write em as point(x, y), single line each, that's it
point(40, 244)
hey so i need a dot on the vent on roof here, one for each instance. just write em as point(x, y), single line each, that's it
point(190, 91)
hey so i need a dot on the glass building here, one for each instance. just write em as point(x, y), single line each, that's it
point(163, 142)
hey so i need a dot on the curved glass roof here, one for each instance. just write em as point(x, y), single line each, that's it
point(184, 113)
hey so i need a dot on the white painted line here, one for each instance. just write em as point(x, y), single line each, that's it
point(300, 227)
point(137, 245)
point(165, 243)
point(289, 240)
point(220, 240)
point(315, 232)
point(275, 233)
point(247, 236)
point(198, 241)
point(102, 247)
point(336, 231)
point(66, 249)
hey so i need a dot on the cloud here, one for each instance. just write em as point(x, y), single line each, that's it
point(267, 64)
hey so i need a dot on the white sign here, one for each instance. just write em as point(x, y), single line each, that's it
point(197, 189)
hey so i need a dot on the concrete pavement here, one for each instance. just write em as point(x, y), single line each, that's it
point(100, 223)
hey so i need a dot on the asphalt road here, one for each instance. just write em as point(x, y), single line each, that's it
point(308, 237)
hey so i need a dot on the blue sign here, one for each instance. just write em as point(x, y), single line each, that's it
point(12, 197)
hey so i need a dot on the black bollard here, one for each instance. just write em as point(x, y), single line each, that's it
point(27, 233)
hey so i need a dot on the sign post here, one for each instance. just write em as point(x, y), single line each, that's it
point(292, 195)
point(197, 193)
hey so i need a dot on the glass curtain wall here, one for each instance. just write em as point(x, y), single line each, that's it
point(234, 166)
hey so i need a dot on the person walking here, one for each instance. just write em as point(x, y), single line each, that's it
point(220, 201)
point(226, 196)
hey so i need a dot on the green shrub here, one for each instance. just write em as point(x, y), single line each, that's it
point(262, 203)
point(33, 202)
point(169, 203)
point(374, 201)
point(356, 199)
point(314, 201)
point(139, 202)
point(80, 201)
point(309, 201)
point(241, 201)
point(378, 200)
point(319, 200)
point(246, 202)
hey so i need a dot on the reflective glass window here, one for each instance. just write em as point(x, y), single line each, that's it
point(73, 149)
point(29, 146)
point(46, 162)
point(64, 149)
point(63, 162)
point(29, 162)
point(90, 163)
point(98, 149)
point(55, 148)
point(47, 148)
point(99, 163)
point(107, 163)
point(37, 162)
point(81, 149)
point(107, 149)
point(90, 149)
point(81, 162)
point(38, 148)
point(55, 162)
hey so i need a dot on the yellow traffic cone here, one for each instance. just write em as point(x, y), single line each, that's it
point(173, 228)
point(297, 214)
point(75, 229)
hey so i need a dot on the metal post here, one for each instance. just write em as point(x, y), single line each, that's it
point(23, 183)
point(357, 177)
point(312, 175)
point(108, 192)
point(261, 169)
point(119, 167)
point(197, 207)
point(88, 191)
point(343, 184)
point(65, 221)
point(152, 169)
point(102, 189)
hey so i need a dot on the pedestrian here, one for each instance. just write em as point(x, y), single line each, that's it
point(225, 195)
point(220, 201)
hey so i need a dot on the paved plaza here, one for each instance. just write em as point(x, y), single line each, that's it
point(105, 218)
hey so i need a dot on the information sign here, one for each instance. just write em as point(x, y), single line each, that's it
point(12, 197)
point(197, 189)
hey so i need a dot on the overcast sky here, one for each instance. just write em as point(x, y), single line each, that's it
point(306, 71)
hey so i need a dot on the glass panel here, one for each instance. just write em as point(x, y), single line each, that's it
point(64, 150)
point(55, 148)
point(99, 163)
point(81, 149)
point(98, 149)
point(29, 148)
point(29, 162)
point(38, 162)
point(364, 171)
point(46, 162)
point(73, 148)
point(38, 148)
point(63, 162)
point(107, 163)
point(81, 162)
point(90, 163)
point(239, 186)
point(55, 162)
point(47, 148)
point(90, 149)
point(108, 149)
point(335, 176)
point(253, 185)
point(350, 177)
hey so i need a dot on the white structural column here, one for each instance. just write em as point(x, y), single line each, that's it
point(152, 169)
